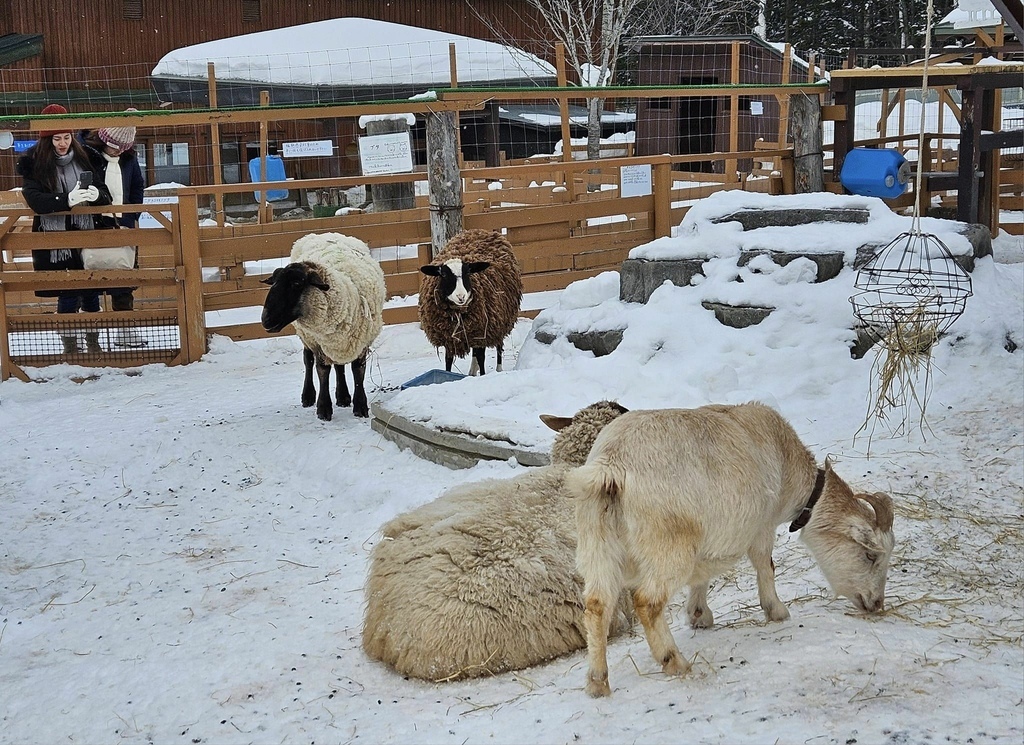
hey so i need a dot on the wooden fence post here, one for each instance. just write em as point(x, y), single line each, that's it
point(443, 178)
point(400, 195)
point(190, 292)
point(662, 200)
point(805, 127)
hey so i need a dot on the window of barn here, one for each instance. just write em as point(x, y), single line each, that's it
point(250, 11)
point(131, 10)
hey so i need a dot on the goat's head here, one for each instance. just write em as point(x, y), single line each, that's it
point(851, 538)
point(576, 434)
point(453, 279)
point(288, 286)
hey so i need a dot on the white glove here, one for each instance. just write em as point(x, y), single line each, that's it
point(79, 195)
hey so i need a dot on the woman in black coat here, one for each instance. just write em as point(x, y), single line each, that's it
point(51, 174)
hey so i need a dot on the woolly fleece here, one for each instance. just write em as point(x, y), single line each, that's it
point(346, 319)
point(483, 579)
point(497, 295)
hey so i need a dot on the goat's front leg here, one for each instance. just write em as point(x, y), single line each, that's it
point(597, 619)
point(324, 409)
point(308, 391)
point(650, 609)
point(697, 609)
point(760, 555)
point(359, 405)
point(341, 394)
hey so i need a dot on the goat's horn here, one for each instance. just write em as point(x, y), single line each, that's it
point(882, 505)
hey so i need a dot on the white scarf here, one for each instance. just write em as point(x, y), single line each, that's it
point(114, 181)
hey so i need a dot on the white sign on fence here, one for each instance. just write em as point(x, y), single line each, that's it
point(307, 147)
point(145, 220)
point(386, 153)
point(635, 181)
point(756, 108)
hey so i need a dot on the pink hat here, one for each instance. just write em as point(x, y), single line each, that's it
point(119, 138)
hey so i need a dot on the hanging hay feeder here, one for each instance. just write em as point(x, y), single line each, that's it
point(910, 292)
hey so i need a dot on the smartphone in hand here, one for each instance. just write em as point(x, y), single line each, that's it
point(85, 179)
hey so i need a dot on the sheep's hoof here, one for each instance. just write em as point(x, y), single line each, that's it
point(324, 416)
point(364, 413)
point(306, 403)
point(598, 688)
point(777, 613)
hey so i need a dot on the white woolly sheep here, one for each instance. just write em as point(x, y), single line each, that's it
point(674, 497)
point(470, 297)
point(333, 293)
point(482, 580)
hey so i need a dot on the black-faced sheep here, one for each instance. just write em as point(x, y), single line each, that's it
point(674, 497)
point(470, 296)
point(482, 579)
point(333, 293)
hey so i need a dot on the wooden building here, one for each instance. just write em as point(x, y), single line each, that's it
point(699, 124)
point(98, 56)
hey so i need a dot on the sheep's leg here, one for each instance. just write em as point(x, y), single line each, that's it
point(359, 405)
point(697, 607)
point(499, 350)
point(341, 394)
point(324, 409)
point(597, 620)
point(650, 609)
point(308, 391)
point(478, 361)
point(449, 358)
point(760, 555)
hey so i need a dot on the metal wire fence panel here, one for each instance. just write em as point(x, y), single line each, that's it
point(94, 339)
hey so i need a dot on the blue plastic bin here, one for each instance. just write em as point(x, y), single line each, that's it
point(430, 377)
point(875, 173)
point(275, 172)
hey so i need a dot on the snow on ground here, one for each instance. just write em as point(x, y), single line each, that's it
point(182, 550)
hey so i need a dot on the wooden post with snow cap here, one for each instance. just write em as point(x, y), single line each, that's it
point(443, 179)
point(805, 127)
point(218, 198)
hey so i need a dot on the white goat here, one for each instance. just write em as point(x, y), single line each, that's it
point(674, 497)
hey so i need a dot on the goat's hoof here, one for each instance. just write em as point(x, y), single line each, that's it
point(702, 619)
point(598, 688)
point(675, 665)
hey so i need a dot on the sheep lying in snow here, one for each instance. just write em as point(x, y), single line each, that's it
point(470, 297)
point(482, 580)
point(678, 495)
point(333, 292)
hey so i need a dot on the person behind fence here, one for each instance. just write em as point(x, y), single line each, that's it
point(112, 151)
point(52, 175)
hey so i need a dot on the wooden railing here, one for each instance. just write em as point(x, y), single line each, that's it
point(566, 222)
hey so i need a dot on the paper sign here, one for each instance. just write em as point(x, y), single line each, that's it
point(635, 181)
point(386, 153)
point(307, 147)
point(146, 220)
point(756, 108)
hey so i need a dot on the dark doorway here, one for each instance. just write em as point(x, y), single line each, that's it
point(697, 118)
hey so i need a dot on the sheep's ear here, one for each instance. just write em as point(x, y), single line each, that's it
point(473, 267)
point(315, 280)
point(557, 423)
point(432, 270)
point(272, 278)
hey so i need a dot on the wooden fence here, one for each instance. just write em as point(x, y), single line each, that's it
point(560, 229)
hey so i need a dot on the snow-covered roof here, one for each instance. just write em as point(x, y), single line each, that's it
point(353, 52)
point(971, 14)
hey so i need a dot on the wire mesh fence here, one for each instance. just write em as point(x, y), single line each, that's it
point(90, 339)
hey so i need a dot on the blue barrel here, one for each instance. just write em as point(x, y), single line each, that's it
point(875, 173)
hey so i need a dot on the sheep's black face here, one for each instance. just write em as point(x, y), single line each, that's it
point(283, 303)
point(454, 283)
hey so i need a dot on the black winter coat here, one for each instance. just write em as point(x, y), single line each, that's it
point(43, 201)
point(131, 177)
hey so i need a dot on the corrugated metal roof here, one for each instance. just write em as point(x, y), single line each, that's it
point(16, 47)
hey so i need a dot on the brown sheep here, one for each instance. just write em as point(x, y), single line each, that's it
point(463, 314)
